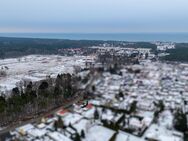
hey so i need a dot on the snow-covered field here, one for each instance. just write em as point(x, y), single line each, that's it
point(35, 68)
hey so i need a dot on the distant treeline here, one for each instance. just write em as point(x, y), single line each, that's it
point(142, 45)
point(180, 53)
point(16, 47)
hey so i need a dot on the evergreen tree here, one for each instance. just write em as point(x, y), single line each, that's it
point(82, 133)
point(146, 56)
point(15, 91)
point(60, 123)
point(180, 121)
point(133, 107)
point(77, 137)
point(70, 125)
point(161, 106)
point(113, 138)
point(2, 104)
point(121, 94)
point(55, 125)
point(96, 114)
point(93, 88)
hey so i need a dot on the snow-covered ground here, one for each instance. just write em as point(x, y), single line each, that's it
point(35, 68)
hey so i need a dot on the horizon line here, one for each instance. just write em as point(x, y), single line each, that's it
point(92, 32)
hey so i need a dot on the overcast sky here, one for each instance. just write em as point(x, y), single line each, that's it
point(93, 16)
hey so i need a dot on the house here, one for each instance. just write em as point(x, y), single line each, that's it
point(145, 105)
point(56, 136)
point(36, 133)
point(99, 133)
point(159, 133)
point(136, 124)
point(83, 124)
point(62, 113)
point(24, 129)
point(72, 118)
point(123, 136)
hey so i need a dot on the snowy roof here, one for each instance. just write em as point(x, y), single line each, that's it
point(37, 132)
point(89, 113)
point(62, 112)
point(25, 128)
point(58, 136)
point(82, 125)
point(42, 125)
point(72, 118)
point(99, 133)
point(135, 122)
point(123, 136)
point(161, 133)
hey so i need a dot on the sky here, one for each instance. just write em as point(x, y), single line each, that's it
point(93, 16)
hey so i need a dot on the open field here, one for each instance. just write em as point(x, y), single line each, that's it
point(35, 68)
